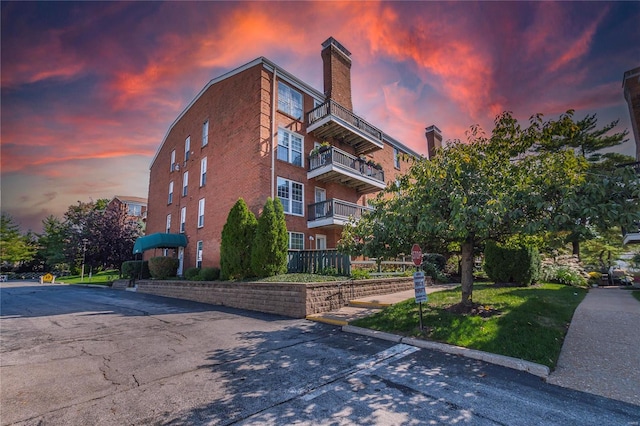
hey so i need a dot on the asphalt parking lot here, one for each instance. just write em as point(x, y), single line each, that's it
point(76, 356)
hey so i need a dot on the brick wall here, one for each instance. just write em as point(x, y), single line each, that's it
point(295, 300)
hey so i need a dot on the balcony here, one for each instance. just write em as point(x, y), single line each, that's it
point(331, 164)
point(333, 213)
point(333, 121)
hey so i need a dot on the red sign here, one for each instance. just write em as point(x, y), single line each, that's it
point(416, 255)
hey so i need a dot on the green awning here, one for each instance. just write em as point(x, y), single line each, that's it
point(159, 240)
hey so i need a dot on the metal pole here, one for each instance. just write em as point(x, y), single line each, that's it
point(84, 254)
point(420, 304)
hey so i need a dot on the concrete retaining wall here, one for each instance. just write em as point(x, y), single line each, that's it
point(295, 300)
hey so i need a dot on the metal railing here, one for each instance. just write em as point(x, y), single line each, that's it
point(333, 108)
point(334, 208)
point(343, 160)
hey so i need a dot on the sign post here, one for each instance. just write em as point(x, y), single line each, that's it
point(418, 278)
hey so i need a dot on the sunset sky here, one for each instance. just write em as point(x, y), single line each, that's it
point(89, 89)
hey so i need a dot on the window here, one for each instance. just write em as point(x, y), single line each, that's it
point(203, 171)
point(289, 147)
point(205, 133)
point(170, 193)
point(396, 158)
point(168, 224)
point(187, 148)
point(296, 241)
point(289, 101)
point(199, 254)
point(201, 213)
point(173, 160)
point(183, 219)
point(291, 195)
point(185, 183)
point(134, 209)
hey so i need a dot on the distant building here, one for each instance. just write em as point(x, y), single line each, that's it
point(135, 207)
point(631, 88)
point(259, 131)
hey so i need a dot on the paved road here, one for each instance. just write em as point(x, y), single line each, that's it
point(78, 356)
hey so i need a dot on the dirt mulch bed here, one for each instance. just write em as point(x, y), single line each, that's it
point(473, 309)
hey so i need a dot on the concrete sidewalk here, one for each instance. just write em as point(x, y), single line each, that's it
point(601, 352)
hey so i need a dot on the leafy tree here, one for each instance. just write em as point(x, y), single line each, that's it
point(237, 238)
point(486, 189)
point(604, 196)
point(15, 248)
point(104, 237)
point(270, 246)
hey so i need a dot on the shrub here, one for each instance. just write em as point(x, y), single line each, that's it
point(328, 270)
point(237, 240)
point(134, 269)
point(271, 243)
point(519, 265)
point(432, 270)
point(438, 260)
point(209, 274)
point(360, 274)
point(564, 270)
point(192, 273)
point(163, 267)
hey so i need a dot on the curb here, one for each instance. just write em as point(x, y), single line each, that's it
point(539, 370)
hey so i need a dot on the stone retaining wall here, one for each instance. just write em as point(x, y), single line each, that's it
point(295, 300)
point(120, 284)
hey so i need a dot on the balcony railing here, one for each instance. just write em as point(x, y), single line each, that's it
point(332, 120)
point(335, 160)
point(334, 212)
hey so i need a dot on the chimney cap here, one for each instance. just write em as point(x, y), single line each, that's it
point(332, 41)
point(433, 128)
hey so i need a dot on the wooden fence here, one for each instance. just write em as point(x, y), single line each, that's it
point(317, 261)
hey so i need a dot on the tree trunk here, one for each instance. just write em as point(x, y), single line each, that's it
point(575, 244)
point(467, 270)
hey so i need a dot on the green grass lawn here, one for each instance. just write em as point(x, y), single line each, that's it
point(101, 278)
point(531, 324)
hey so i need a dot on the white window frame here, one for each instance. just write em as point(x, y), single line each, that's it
point(183, 219)
point(291, 240)
point(187, 148)
point(287, 103)
point(170, 199)
point(203, 171)
point(199, 250)
point(288, 203)
point(321, 237)
point(200, 212)
point(173, 160)
point(205, 133)
point(185, 183)
point(396, 158)
point(286, 151)
point(169, 223)
point(134, 209)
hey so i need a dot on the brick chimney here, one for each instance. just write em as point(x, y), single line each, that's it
point(336, 61)
point(434, 140)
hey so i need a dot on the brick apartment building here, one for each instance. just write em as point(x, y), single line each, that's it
point(259, 131)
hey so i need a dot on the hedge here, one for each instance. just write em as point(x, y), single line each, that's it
point(520, 265)
point(163, 267)
point(134, 269)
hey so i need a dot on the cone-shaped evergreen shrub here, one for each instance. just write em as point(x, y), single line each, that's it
point(237, 238)
point(271, 244)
